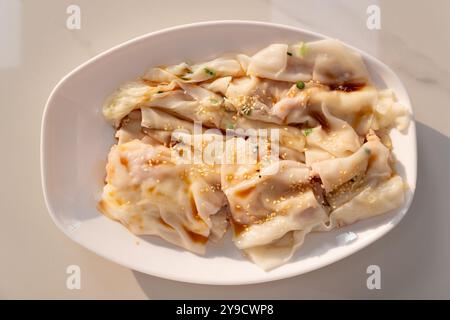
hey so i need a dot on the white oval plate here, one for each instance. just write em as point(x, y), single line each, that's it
point(76, 139)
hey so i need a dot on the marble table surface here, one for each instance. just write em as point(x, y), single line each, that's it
point(37, 49)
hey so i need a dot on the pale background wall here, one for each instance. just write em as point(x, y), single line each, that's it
point(36, 50)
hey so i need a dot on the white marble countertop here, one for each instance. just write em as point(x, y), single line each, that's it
point(37, 49)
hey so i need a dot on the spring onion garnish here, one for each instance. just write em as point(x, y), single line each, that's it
point(209, 72)
point(300, 84)
point(307, 132)
point(230, 126)
point(367, 150)
point(185, 79)
point(289, 53)
point(214, 101)
point(303, 49)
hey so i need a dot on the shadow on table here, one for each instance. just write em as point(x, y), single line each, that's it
point(414, 257)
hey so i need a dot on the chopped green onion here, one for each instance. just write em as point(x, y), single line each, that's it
point(300, 84)
point(230, 126)
point(289, 53)
point(307, 132)
point(185, 79)
point(209, 72)
point(367, 150)
point(214, 101)
point(303, 49)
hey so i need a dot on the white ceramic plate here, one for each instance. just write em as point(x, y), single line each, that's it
point(76, 139)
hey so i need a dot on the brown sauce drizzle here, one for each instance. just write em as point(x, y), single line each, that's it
point(347, 87)
point(238, 228)
point(195, 237)
point(124, 162)
point(194, 209)
point(245, 192)
point(321, 120)
point(102, 207)
point(165, 224)
point(319, 191)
